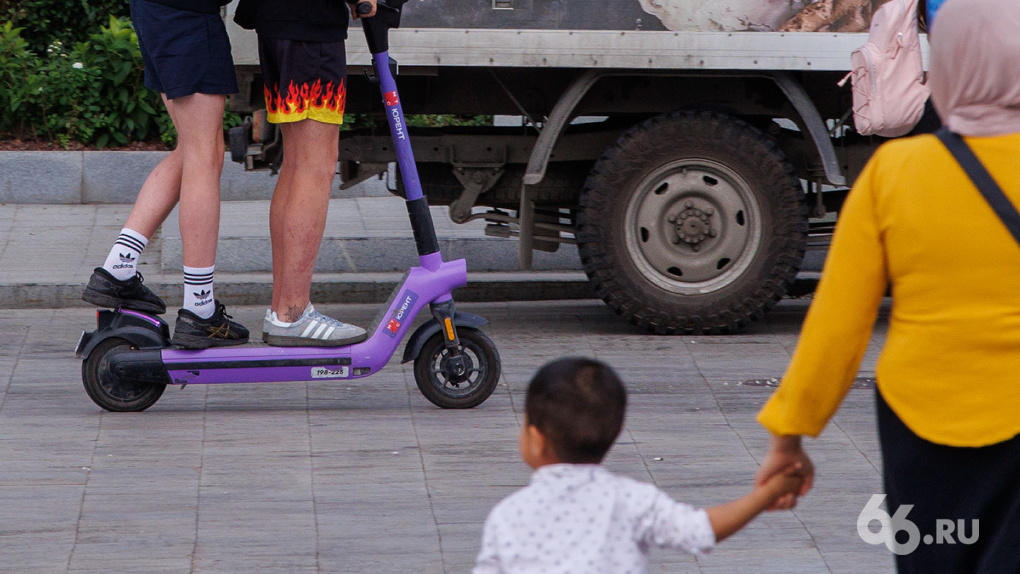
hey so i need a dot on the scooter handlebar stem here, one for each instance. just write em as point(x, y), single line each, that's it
point(376, 31)
point(398, 126)
point(387, 16)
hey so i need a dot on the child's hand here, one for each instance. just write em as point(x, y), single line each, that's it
point(732, 516)
point(785, 450)
point(787, 481)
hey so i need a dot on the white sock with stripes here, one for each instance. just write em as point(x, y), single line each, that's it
point(122, 262)
point(198, 291)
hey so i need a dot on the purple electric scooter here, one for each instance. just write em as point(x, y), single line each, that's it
point(128, 361)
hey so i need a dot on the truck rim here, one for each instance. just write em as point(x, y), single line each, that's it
point(694, 226)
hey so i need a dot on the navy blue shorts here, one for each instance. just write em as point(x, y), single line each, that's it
point(184, 52)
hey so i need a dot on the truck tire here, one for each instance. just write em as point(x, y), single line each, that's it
point(692, 222)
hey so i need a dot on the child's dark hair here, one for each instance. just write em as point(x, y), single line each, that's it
point(578, 404)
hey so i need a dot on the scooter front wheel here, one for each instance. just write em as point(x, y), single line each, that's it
point(109, 393)
point(450, 385)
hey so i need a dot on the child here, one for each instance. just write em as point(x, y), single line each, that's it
point(575, 516)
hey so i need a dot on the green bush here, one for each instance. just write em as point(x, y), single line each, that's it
point(19, 78)
point(90, 93)
point(64, 93)
point(87, 88)
point(447, 120)
point(120, 108)
point(70, 21)
point(62, 81)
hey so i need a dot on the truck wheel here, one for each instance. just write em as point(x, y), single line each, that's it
point(692, 222)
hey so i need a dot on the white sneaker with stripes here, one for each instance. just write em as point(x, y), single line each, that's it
point(312, 329)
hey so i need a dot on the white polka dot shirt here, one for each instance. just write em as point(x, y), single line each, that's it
point(581, 519)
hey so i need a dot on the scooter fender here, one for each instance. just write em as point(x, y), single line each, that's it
point(417, 339)
point(142, 331)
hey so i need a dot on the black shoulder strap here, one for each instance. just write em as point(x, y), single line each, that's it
point(982, 179)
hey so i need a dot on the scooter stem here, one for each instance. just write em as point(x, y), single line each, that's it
point(417, 207)
point(376, 31)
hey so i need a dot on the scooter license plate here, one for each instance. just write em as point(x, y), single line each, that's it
point(330, 373)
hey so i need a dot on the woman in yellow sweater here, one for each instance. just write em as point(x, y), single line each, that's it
point(949, 374)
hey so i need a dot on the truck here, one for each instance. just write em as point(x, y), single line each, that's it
point(691, 150)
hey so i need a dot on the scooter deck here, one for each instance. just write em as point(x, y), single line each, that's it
point(250, 364)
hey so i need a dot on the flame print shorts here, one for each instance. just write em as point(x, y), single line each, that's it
point(304, 80)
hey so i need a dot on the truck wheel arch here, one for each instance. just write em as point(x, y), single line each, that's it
point(563, 112)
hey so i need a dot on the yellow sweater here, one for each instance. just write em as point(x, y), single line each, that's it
point(950, 368)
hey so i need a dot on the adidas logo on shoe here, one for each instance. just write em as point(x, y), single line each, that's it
point(126, 258)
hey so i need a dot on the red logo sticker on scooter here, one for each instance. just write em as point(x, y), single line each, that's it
point(391, 98)
point(400, 312)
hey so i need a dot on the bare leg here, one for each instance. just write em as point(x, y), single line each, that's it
point(190, 176)
point(161, 190)
point(297, 214)
point(199, 124)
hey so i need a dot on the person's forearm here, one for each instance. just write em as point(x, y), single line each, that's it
point(728, 518)
point(838, 326)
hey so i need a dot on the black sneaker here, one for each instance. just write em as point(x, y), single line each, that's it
point(194, 332)
point(106, 290)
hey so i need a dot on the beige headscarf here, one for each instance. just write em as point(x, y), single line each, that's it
point(974, 74)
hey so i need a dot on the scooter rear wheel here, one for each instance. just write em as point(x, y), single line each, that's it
point(111, 394)
point(442, 386)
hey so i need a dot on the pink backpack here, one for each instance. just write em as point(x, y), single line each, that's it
point(887, 73)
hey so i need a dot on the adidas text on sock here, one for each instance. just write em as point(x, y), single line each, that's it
point(198, 291)
point(122, 262)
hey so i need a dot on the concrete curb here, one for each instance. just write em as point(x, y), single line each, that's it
point(257, 289)
point(373, 255)
point(75, 177)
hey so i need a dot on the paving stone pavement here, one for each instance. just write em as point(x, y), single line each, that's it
point(368, 477)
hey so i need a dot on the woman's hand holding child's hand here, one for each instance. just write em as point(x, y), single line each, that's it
point(787, 482)
point(783, 452)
